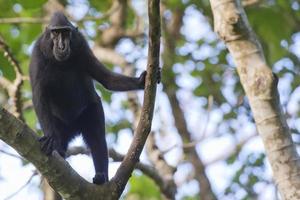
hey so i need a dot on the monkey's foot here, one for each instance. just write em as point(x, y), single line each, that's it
point(100, 178)
point(49, 144)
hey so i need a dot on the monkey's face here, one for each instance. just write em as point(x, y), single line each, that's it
point(61, 37)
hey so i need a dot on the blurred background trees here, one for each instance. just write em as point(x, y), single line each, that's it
point(204, 141)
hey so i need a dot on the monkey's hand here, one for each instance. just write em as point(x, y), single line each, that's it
point(142, 79)
point(143, 75)
point(49, 144)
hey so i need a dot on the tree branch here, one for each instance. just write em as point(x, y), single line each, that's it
point(151, 172)
point(169, 54)
point(167, 185)
point(148, 170)
point(24, 20)
point(246, 3)
point(144, 126)
point(235, 150)
point(45, 20)
point(14, 88)
point(22, 187)
point(57, 171)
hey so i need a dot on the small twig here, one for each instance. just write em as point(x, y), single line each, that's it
point(22, 187)
point(235, 150)
point(11, 154)
point(5, 83)
point(14, 89)
point(209, 108)
point(167, 185)
point(23, 20)
point(193, 143)
point(36, 20)
point(27, 105)
point(8, 54)
point(246, 3)
point(104, 16)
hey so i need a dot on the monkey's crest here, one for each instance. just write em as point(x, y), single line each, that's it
point(60, 21)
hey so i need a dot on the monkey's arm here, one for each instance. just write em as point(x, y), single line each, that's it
point(113, 81)
point(39, 92)
point(42, 110)
point(51, 139)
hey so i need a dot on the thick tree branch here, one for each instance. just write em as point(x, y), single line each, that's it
point(115, 32)
point(117, 29)
point(260, 85)
point(57, 171)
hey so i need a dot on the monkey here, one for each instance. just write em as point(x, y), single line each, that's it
point(62, 71)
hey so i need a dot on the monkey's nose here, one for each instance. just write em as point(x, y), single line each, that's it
point(61, 46)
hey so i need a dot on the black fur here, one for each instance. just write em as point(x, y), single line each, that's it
point(64, 97)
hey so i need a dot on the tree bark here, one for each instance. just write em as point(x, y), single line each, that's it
point(260, 85)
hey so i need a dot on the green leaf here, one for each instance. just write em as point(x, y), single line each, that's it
point(117, 126)
point(142, 187)
point(272, 25)
point(101, 6)
point(105, 94)
point(6, 68)
point(30, 118)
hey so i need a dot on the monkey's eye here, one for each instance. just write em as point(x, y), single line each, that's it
point(55, 32)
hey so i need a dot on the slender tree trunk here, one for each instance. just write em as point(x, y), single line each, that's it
point(260, 85)
point(171, 32)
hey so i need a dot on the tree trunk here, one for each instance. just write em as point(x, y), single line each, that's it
point(260, 85)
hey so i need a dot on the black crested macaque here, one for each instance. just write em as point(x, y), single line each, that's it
point(62, 70)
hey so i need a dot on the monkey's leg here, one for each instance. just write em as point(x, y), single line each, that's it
point(55, 137)
point(93, 131)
